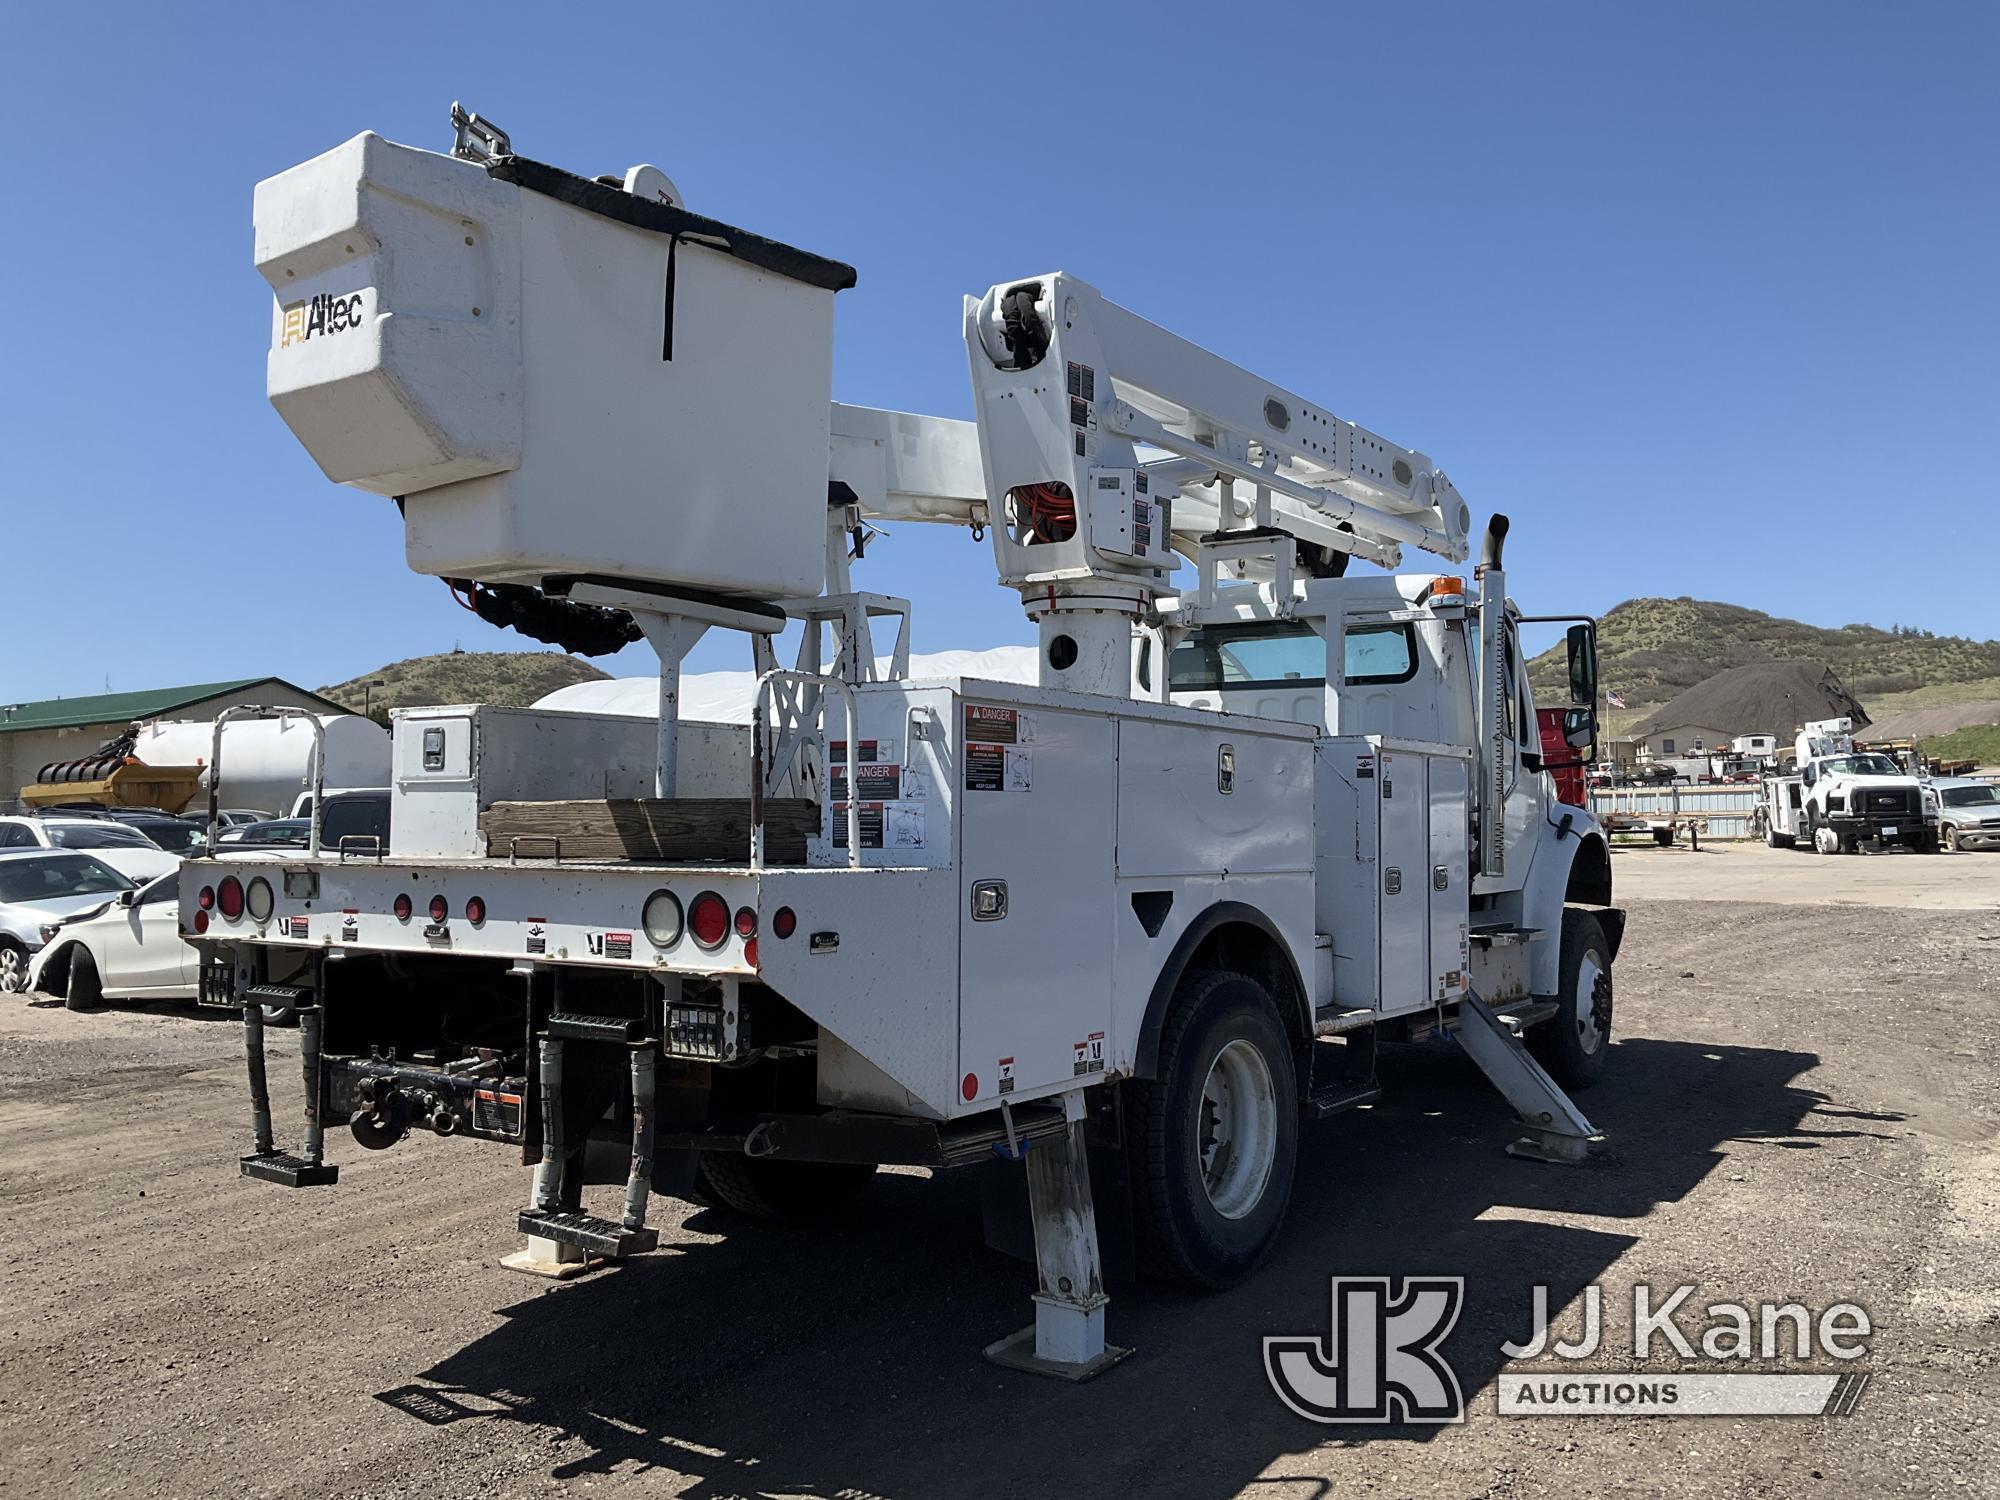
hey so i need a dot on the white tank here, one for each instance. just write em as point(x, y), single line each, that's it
point(267, 763)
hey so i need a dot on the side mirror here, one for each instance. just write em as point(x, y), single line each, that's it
point(125, 897)
point(1580, 728)
point(1582, 643)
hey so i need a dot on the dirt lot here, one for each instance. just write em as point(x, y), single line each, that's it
point(1803, 1104)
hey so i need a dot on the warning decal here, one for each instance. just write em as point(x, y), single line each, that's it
point(863, 750)
point(879, 782)
point(870, 820)
point(1006, 1075)
point(997, 753)
point(1089, 1056)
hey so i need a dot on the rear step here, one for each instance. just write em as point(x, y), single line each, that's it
point(287, 1170)
point(1333, 1098)
point(585, 1232)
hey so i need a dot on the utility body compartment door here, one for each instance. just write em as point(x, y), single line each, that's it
point(1039, 799)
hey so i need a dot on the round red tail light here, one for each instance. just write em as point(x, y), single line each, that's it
point(206, 900)
point(475, 910)
point(746, 922)
point(750, 953)
point(708, 919)
point(786, 922)
point(201, 921)
point(440, 908)
point(229, 897)
point(403, 907)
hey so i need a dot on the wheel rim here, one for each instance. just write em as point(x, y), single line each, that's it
point(1949, 838)
point(1236, 1142)
point(13, 968)
point(1593, 1003)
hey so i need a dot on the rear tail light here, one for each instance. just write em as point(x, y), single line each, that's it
point(206, 900)
point(259, 900)
point(403, 907)
point(746, 922)
point(229, 897)
point(440, 908)
point(661, 917)
point(750, 953)
point(475, 910)
point(786, 922)
point(708, 919)
point(201, 919)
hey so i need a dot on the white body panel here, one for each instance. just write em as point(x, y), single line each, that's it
point(496, 357)
point(453, 763)
point(268, 763)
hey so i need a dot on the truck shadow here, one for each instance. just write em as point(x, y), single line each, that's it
point(845, 1359)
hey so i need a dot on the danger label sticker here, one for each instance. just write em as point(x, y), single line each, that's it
point(997, 753)
point(1006, 1066)
point(993, 726)
point(878, 782)
point(864, 750)
point(869, 816)
point(1089, 1055)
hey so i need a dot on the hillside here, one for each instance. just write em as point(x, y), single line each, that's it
point(1650, 650)
point(513, 679)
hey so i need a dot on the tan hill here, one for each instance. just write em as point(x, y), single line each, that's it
point(1651, 650)
point(513, 679)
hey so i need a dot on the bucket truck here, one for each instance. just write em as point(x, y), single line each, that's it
point(1833, 798)
point(1119, 935)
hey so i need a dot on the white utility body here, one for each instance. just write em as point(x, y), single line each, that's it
point(1157, 909)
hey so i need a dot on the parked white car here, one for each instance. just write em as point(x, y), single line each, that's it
point(127, 949)
point(39, 889)
point(125, 849)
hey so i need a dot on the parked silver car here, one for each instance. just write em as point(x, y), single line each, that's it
point(1968, 812)
point(38, 889)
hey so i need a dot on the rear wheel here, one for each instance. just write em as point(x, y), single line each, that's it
point(86, 986)
point(1212, 1140)
point(1572, 1043)
point(13, 967)
point(767, 1189)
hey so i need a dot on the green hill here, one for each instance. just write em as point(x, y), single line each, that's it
point(1649, 650)
point(513, 679)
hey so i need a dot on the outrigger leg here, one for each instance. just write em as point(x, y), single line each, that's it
point(1067, 1337)
point(1556, 1129)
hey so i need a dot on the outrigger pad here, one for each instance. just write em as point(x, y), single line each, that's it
point(290, 1171)
point(588, 1233)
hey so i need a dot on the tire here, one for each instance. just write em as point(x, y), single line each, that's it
point(85, 990)
point(1664, 837)
point(1948, 839)
point(13, 967)
point(1776, 840)
point(766, 1189)
point(1574, 1043)
point(1211, 1142)
point(1926, 842)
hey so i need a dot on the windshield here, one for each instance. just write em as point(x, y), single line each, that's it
point(1291, 655)
point(361, 818)
point(1860, 765)
point(97, 836)
point(50, 877)
point(1971, 796)
point(176, 836)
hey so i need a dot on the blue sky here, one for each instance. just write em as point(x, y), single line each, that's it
point(1681, 288)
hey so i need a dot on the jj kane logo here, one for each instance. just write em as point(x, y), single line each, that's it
point(1379, 1361)
point(329, 312)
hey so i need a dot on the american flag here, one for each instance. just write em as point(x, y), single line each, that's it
point(1614, 699)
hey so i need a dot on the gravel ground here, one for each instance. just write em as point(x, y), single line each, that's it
point(1803, 1104)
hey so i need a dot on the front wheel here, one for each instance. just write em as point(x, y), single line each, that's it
point(1572, 1043)
point(1948, 839)
point(85, 990)
point(1212, 1140)
point(13, 967)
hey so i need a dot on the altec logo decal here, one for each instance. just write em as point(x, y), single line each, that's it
point(329, 312)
